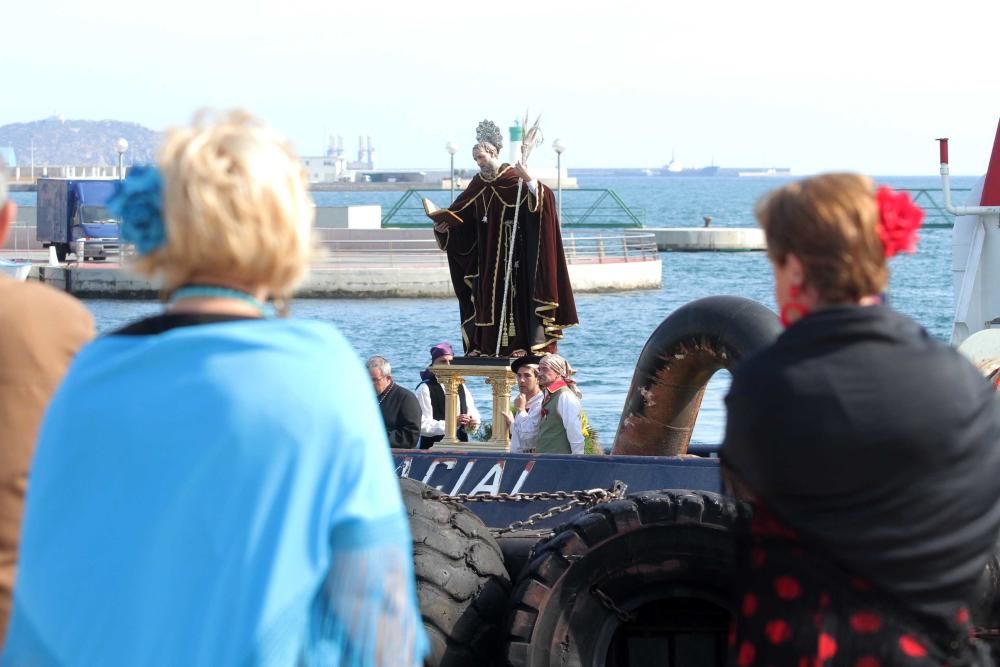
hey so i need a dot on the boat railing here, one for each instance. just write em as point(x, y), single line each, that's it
point(590, 248)
point(581, 207)
point(932, 201)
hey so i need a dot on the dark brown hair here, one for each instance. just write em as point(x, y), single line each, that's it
point(829, 223)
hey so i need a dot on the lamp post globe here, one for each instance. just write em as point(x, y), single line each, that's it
point(120, 147)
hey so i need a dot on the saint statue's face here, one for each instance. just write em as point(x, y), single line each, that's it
point(488, 163)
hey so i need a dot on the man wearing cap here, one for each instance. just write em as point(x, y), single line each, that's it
point(560, 429)
point(527, 406)
point(430, 395)
point(400, 408)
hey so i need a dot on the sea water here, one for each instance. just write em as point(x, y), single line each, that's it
point(614, 327)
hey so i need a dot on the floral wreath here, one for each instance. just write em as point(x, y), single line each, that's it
point(138, 203)
point(898, 221)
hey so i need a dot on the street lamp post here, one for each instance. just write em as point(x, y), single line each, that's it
point(120, 147)
point(558, 146)
point(452, 148)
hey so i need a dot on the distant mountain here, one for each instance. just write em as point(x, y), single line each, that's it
point(58, 141)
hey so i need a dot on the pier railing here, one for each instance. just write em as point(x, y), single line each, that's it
point(589, 248)
point(342, 248)
point(601, 248)
point(581, 207)
point(22, 237)
point(22, 243)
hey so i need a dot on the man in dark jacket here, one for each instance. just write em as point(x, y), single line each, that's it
point(400, 409)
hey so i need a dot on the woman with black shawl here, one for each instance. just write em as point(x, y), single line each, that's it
point(869, 451)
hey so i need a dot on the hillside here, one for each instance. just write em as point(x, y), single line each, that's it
point(58, 141)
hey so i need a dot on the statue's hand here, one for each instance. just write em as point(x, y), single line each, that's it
point(441, 227)
point(522, 171)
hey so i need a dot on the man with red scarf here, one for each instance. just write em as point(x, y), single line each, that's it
point(560, 427)
point(476, 233)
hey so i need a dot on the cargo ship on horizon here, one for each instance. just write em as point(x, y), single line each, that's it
point(704, 172)
point(674, 168)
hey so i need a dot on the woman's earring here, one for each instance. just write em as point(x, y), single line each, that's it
point(794, 310)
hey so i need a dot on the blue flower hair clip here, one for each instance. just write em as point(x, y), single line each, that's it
point(138, 203)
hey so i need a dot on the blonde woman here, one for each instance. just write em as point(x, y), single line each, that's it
point(236, 504)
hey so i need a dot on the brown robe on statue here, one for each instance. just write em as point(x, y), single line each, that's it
point(540, 301)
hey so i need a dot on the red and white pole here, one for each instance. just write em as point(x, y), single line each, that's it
point(946, 186)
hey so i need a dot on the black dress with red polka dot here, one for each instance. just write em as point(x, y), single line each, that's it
point(796, 608)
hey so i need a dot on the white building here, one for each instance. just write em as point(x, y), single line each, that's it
point(335, 167)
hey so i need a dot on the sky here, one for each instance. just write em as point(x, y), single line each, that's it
point(852, 85)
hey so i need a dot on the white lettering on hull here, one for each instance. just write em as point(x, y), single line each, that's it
point(448, 463)
point(461, 480)
point(490, 483)
point(524, 476)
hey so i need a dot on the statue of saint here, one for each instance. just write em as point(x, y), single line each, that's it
point(523, 310)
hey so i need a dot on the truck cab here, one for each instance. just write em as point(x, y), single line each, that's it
point(71, 211)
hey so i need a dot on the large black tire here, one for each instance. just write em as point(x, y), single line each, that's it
point(659, 558)
point(986, 604)
point(462, 584)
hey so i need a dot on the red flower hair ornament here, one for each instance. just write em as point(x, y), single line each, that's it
point(898, 221)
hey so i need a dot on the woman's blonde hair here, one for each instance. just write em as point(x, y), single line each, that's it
point(830, 223)
point(236, 207)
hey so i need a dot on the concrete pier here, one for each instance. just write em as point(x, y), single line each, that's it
point(95, 280)
point(359, 259)
point(694, 239)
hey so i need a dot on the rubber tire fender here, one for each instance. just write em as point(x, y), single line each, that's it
point(462, 584)
point(653, 545)
point(678, 360)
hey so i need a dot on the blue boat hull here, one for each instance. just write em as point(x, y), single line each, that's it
point(490, 474)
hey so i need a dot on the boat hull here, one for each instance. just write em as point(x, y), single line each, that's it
point(490, 474)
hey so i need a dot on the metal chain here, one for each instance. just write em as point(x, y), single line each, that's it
point(580, 498)
point(609, 604)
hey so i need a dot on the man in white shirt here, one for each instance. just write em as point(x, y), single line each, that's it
point(527, 406)
point(560, 429)
point(430, 395)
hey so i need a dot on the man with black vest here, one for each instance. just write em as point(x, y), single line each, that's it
point(430, 395)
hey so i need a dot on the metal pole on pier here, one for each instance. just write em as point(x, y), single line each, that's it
point(558, 146)
point(120, 147)
point(452, 148)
